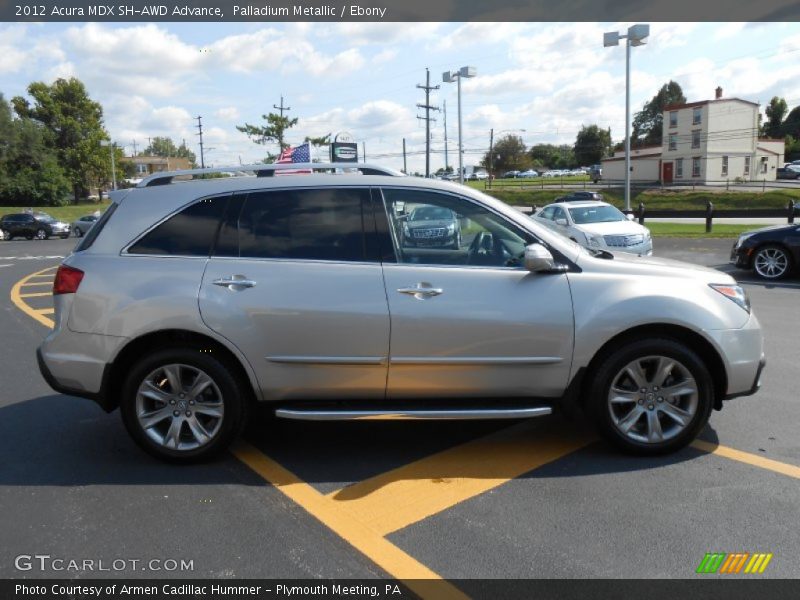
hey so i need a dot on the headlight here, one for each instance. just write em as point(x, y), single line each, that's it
point(646, 234)
point(742, 238)
point(592, 240)
point(733, 292)
point(451, 229)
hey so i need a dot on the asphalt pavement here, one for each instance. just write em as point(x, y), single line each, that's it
point(542, 498)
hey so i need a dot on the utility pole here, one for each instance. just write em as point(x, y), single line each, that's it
point(282, 108)
point(427, 118)
point(200, 128)
point(364, 150)
point(405, 166)
point(491, 152)
point(134, 147)
point(446, 163)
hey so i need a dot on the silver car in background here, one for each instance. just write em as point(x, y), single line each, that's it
point(188, 301)
point(596, 225)
point(82, 224)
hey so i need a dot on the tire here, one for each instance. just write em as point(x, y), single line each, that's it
point(7, 235)
point(41, 234)
point(456, 245)
point(63, 237)
point(77, 232)
point(772, 262)
point(176, 419)
point(651, 422)
point(28, 236)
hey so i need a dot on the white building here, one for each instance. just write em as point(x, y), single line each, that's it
point(706, 142)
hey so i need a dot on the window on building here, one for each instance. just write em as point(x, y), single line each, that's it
point(673, 118)
point(697, 116)
point(696, 139)
point(747, 165)
point(678, 168)
point(724, 166)
point(673, 141)
point(696, 166)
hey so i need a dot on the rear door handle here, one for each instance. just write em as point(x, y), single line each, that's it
point(421, 291)
point(235, 282)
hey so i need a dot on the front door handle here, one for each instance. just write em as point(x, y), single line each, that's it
point(421, 291)
point(235, 282)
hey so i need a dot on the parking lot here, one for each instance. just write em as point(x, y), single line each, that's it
point(451, 501)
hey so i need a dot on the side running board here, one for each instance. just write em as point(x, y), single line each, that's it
point(311, 414)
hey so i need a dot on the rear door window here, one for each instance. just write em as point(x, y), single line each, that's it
point(300, 224)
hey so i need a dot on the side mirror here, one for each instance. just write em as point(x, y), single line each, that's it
point(538, 258)
point(630, 216)
point(562, 222)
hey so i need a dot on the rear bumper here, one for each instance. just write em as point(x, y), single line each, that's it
point(100, 397)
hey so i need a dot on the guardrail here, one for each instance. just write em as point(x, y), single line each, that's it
point(710, 212)
point(642, 213)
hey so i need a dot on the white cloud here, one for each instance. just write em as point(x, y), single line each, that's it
point(480, 33)
point(228, 113)
point(362, 33)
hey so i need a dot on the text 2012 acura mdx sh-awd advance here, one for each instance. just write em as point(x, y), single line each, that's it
point(190, 300)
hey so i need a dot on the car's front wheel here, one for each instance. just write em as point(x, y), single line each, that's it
point(7, 234)
point(183, 405)
point(772, 262)
point(76, 231)
point(651, 396)
point(41, 234)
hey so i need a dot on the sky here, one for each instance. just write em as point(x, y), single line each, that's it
point(541, 81)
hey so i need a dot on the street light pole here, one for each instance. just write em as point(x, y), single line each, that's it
point(636, 36)
point(111, 147)
point(449, 77)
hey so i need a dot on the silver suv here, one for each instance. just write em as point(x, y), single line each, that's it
point(188, 301)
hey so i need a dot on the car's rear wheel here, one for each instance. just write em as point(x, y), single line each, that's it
point(651, 396)
point(772, 262)
point(183, 405)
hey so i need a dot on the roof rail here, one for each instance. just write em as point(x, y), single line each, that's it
point(264, 170)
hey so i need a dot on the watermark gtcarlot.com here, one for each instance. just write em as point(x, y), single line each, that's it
point(45, 563)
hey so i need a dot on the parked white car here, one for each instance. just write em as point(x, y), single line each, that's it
point(596, 225)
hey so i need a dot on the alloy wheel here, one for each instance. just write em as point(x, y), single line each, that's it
point(41, 234)
point(653, 399)
point(771, 263)
point(179, 407)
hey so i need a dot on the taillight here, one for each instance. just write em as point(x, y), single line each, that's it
point(67, 280)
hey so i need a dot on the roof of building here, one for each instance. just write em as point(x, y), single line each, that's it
point(703, 102)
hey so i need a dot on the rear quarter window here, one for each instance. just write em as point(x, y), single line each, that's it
point(91, 235)
point(190, 232)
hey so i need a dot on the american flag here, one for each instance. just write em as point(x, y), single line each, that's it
point(300, 154)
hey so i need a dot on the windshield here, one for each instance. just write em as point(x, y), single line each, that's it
point(596, 214)
point(431, 213)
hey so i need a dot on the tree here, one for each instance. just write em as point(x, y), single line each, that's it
point(29, 169)
point(791, 148)
point(551, 156)
point(791, 125)
point(509, 153)
point(273, 131)
point(648, 123)
point(75, 123)
point(166, 148)
point(776, 110)
point(592, 144)
point(318, 142)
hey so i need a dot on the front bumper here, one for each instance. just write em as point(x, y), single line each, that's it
point(742, 352)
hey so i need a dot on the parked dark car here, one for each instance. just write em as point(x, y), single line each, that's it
point(772, 252)
point(432, 226)
point(788, 173)
point(511, 174)
point(581, 197)
point(82, 225)
point(40, 226)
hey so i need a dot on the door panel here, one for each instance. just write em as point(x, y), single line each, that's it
point(471, 322)
point(294, 287)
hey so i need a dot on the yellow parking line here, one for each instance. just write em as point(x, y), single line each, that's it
point(398, 498)
point(43, 274)
point(16, 298)
point(36, 294)
point(46, 311)
point(32, 283)
point(381, 551)
point(747, 458)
